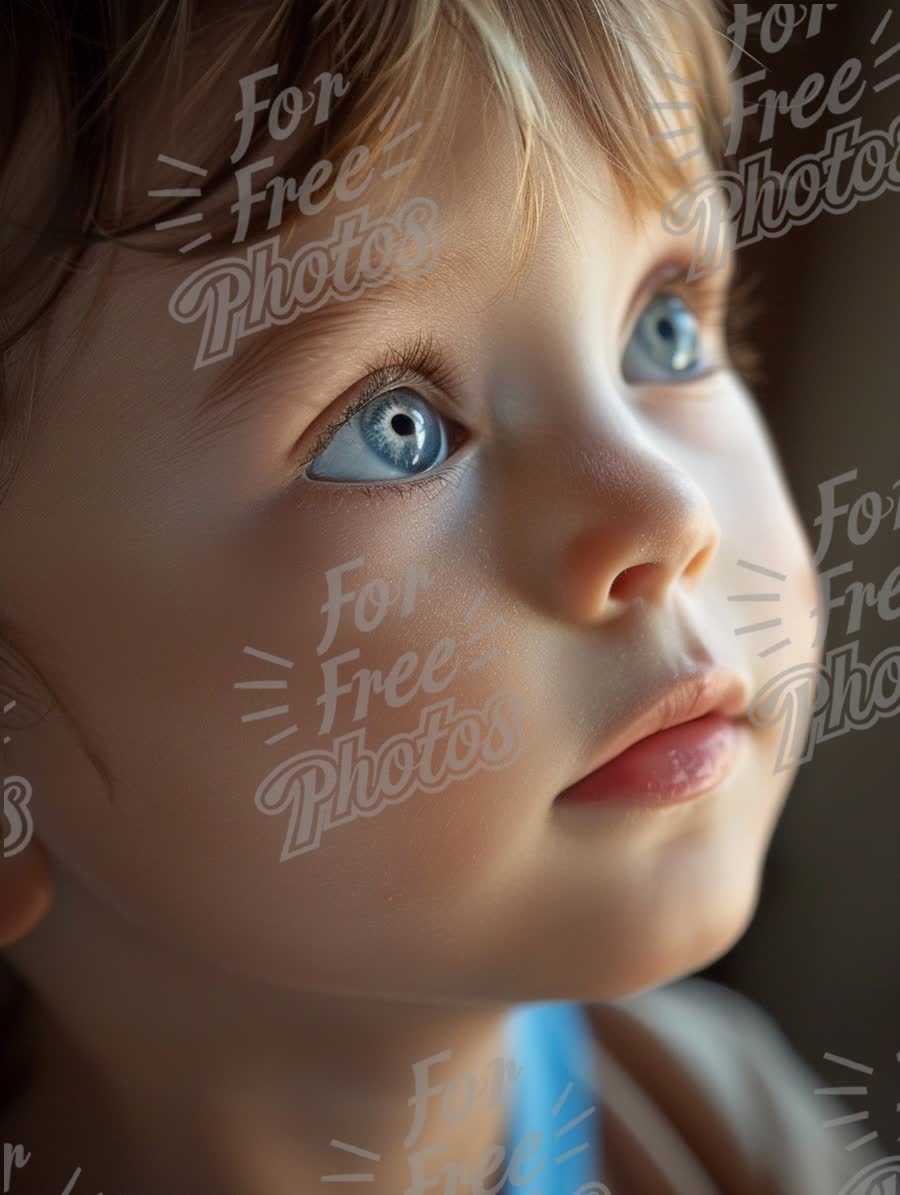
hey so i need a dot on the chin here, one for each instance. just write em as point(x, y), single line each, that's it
point(682, 930)
point(712, 937)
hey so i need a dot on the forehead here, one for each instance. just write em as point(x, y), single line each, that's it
point(297, 192)
point(461, 187)
point(453, 184)
point(293, 184)
point(292, 178)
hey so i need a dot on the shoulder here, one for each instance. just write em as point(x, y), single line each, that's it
point(717, 1069)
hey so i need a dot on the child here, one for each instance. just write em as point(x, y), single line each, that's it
point(374, 482)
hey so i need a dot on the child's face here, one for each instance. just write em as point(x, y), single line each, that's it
point(155, 543)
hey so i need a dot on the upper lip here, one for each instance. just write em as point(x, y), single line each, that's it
point(689, 696)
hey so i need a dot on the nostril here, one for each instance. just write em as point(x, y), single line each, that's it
point(634, 581)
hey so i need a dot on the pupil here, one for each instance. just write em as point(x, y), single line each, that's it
point(403, 425)
point(666, 329)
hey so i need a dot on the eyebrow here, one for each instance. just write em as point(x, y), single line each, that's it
point(304, 331)
point(286, 344)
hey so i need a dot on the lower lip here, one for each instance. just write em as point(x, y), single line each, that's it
point(666, 768)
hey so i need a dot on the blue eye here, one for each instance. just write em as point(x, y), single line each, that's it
point(395, 435)
point(667, 338)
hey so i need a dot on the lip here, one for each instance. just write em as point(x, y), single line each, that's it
point(679, 746)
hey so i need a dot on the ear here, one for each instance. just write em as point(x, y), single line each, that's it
point(26, 889)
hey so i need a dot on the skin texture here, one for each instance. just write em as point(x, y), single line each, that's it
point(228, 1014)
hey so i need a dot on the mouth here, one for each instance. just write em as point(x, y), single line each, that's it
point(683, 744)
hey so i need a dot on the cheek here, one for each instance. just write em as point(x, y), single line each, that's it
point(770, 536)
point(759, 522)
point(766, 596)
point(211, 747)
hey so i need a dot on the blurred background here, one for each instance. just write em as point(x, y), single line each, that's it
point(819, 956)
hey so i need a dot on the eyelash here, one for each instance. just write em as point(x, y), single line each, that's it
point(420, 358)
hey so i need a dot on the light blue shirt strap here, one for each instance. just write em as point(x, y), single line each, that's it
point(555, 1098)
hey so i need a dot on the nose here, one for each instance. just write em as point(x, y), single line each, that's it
point(622, 522)
point(604, 485)
point(637, 546)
